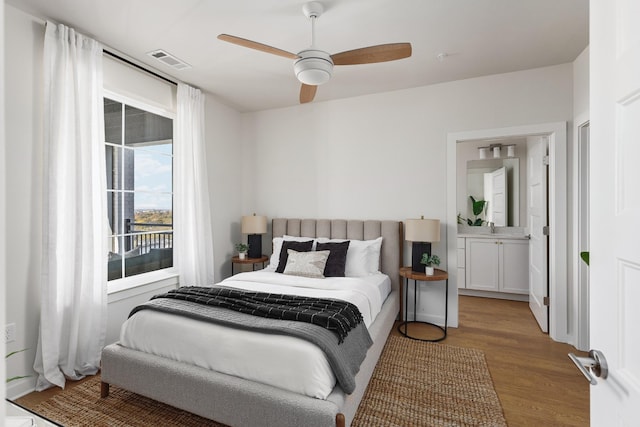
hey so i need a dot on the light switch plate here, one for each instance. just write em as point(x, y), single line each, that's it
point(10, 333)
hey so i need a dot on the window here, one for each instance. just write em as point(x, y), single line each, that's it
point(139, 156)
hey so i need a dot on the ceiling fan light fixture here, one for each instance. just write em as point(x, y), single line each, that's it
point(314, 67)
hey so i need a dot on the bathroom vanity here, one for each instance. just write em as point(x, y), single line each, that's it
point(495, 264)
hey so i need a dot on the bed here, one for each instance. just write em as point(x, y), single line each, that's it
point(237, 401)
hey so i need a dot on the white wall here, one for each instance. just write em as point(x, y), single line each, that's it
point(581, 84)
point(135, 84)
point(23, 173)
point(384, 156)
point(225, 160)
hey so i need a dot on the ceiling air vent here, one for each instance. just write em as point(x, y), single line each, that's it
point(168, 59)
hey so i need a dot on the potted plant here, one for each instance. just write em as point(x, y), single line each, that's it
point(242, 250)
point(478, 208)
point(429, 261)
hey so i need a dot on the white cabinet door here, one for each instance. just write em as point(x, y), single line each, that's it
point(499, 265)
point(462, 263)
point(515, 266)
point(483, 271)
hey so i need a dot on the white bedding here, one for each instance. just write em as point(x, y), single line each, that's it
point(277, 360)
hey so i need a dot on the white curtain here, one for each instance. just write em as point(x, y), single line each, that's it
point(193, 237)
point(74, 277)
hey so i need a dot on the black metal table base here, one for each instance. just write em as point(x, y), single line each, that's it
point(406, 309)
point(406, 334)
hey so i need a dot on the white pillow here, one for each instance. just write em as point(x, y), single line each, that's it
point(306, 264)
point(363, 256)
point(301, 239)
point(277, 247)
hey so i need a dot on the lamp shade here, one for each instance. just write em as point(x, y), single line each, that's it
point(422, 230)
point(254, 224)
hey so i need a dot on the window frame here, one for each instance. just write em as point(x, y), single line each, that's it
point(166, 275)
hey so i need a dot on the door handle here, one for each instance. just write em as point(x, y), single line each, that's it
point(592, 367)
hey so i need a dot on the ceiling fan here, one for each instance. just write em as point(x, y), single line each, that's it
point(313, 66)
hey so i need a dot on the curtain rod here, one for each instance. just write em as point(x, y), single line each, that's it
point(133, 64)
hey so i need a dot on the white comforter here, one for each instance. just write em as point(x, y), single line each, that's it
point(279, 360)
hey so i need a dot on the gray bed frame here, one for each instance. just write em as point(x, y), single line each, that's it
point(238, 402)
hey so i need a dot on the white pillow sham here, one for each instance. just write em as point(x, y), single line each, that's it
point(363, 256)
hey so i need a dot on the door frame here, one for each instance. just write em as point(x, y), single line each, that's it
point(581, 296)
point(559, 329)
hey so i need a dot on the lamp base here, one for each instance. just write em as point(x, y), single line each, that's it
point(417, 250)
point(255, 245)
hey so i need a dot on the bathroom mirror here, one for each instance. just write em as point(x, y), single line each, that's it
point(496, 181)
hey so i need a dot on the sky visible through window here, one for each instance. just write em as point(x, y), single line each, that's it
point(153, 177)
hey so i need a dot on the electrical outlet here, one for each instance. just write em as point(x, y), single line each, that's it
point(10, 333)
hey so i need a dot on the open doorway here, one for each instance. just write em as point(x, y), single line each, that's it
point(557, 265)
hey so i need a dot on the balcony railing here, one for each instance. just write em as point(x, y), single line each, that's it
point(148, 247)
point(147, 236)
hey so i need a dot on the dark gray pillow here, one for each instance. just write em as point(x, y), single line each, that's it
point(337, 257)
point(296, 246)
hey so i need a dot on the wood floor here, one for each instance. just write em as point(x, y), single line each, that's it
point(536, 382)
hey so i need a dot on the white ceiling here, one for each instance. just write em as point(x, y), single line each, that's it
point(481, 37)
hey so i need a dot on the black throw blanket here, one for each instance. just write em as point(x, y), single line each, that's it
point(335, 315)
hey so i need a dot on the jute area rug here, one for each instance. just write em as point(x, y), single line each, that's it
point(414, 384)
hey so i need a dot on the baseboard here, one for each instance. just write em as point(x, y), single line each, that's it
point(491, 294)
point(18, 388)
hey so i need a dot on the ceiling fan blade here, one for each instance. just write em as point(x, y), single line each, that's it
point(307, 93)
point(257, 46)
point(373, 54)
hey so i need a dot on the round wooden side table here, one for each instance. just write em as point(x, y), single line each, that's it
point(439, 275)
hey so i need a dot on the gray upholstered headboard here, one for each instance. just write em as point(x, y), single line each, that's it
point(391, 232)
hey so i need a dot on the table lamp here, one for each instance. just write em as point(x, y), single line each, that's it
point(422, 232)
point(254, 226)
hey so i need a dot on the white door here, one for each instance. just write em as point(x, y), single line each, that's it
point(499, 200)
point(537, 211)
point(615, 208)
